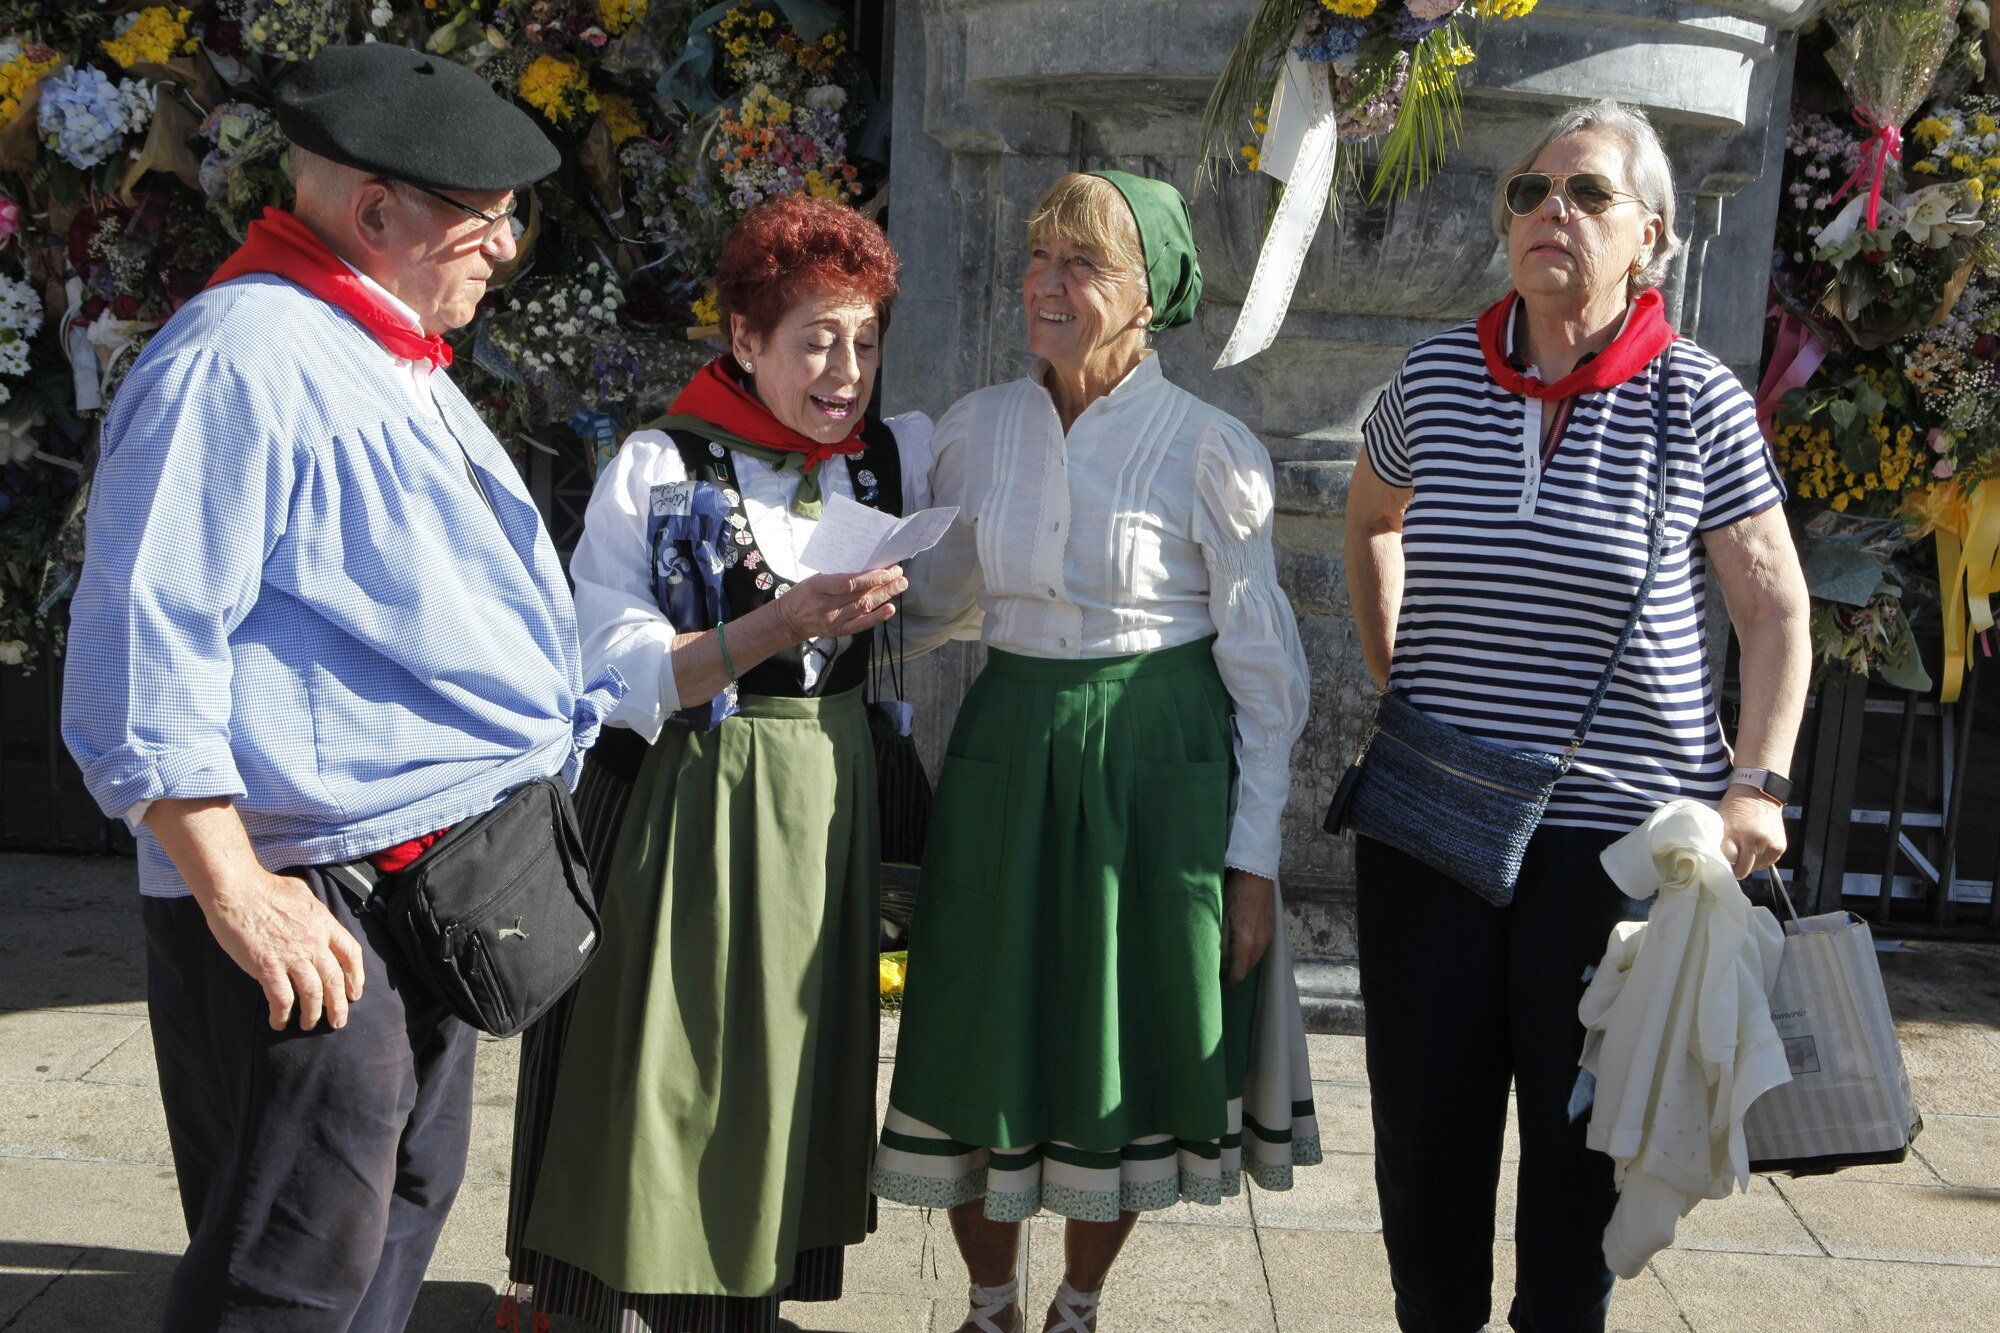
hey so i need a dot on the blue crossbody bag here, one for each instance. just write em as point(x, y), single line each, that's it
point(1463, 805)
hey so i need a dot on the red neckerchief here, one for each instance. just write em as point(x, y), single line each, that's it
point(280, 244)
point(717, 397)
point(1645, 335)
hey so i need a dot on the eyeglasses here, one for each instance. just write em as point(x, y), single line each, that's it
point(1586, 191)
point(492, 220)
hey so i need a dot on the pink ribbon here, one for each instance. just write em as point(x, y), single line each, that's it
point(1795, 358)
point(1884, 142)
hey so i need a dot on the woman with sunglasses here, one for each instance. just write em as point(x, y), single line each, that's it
point(1498, 531)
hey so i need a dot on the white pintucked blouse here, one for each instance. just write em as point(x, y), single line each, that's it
point(1146, 527)
point(619, 622)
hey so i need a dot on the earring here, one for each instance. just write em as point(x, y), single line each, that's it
point(749, 369)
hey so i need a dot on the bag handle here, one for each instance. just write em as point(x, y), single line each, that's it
point(1779, 894)
point(1656, 550)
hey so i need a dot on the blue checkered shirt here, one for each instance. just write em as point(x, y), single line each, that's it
point(294, 596)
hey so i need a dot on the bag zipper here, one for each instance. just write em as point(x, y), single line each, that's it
point(470, 919)
point(1459, 772)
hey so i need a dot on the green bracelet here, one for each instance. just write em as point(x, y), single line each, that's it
point(728, 667)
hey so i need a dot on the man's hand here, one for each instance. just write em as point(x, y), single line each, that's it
point(831, 606)
point(1248, 918)
point(284, 937)
point(1753, 831)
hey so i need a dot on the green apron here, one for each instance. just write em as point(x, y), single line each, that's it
point(714, 1114)
point(1065, 979)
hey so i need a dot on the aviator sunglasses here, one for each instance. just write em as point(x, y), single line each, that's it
point(1586, 191)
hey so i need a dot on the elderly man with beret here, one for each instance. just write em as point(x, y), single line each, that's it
point(319, 623)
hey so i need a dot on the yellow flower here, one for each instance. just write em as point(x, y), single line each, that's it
point(1503, 9)
point(18, 76)
point(1984, 124)
point(707, 311)
point(617, 15)
point(559, 89)
point(1960, 162)
point(1930, 130)
point(1353, 9)
point(1252, 158)
point(1925, 167)
point(894, 971)
point(155, 36)
point(621, 117)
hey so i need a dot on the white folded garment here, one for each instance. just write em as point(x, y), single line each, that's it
point(1679, 1034)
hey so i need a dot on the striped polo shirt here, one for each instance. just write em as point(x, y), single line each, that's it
point(1518, 578)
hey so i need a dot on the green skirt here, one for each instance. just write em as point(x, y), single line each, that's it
point(714, 1111)
point(1066, 1039)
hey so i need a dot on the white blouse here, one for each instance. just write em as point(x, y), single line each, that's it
point(619, 622)
point(1147, 527)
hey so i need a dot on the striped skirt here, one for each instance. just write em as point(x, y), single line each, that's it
point(549, 1284)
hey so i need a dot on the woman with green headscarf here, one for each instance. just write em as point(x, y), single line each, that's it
point(1100, 1016)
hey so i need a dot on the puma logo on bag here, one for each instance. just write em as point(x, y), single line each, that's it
point(514, 931)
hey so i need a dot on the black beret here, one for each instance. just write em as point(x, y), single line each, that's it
point(417, 117)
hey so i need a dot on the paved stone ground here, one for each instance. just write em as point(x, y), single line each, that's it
point(90, 1223)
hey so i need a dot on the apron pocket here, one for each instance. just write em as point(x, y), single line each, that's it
point(968, 832)
point(1183, 828)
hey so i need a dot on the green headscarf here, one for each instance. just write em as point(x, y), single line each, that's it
point(1166, 236)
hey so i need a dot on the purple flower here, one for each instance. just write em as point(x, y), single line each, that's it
point(1428, 11)
point(1335, 41)
point(1410, 29)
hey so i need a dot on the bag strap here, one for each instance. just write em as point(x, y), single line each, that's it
point(1656, 549)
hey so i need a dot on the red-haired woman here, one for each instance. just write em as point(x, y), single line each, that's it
point(693, 1135)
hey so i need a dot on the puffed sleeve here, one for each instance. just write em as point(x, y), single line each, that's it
point(1257, 646)
point(913, 432)
point(943, 601)
point(617, 618)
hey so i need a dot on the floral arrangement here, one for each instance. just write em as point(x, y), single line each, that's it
point(1886, 287)
point(1393, 66)
point(137, 143)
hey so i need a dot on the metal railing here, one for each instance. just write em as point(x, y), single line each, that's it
point(1898, 813)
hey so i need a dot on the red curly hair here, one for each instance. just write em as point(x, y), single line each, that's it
point(793, 245)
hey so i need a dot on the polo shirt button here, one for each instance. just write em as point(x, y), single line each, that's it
point(1052, 592)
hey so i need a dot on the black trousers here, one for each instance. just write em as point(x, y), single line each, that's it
point(315, 1168)
point(1462, 998)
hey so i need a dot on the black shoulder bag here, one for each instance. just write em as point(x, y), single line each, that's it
point(497, 916)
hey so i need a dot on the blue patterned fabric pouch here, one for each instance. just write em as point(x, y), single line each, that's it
point(687, 536)
point(1460, 804)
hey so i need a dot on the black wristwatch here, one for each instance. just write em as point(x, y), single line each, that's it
point(1773, 786)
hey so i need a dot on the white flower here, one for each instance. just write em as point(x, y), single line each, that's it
point(828, 96)
point(1976, 11)
point(12, 652)
point(380, 15)
point(568, 357)
point(17, 438)
point(597, 312)
point(541, 330)
point(1928, 215)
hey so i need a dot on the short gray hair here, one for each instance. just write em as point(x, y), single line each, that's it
point(1647, 172)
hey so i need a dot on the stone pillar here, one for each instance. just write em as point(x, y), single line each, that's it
point(996, 98)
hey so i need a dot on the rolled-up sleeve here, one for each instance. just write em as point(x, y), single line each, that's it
point(191, 494)
point(1257, 648)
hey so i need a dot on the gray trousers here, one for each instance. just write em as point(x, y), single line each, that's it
point(315, 1168)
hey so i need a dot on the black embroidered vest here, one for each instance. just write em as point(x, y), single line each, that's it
point(876, 474)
